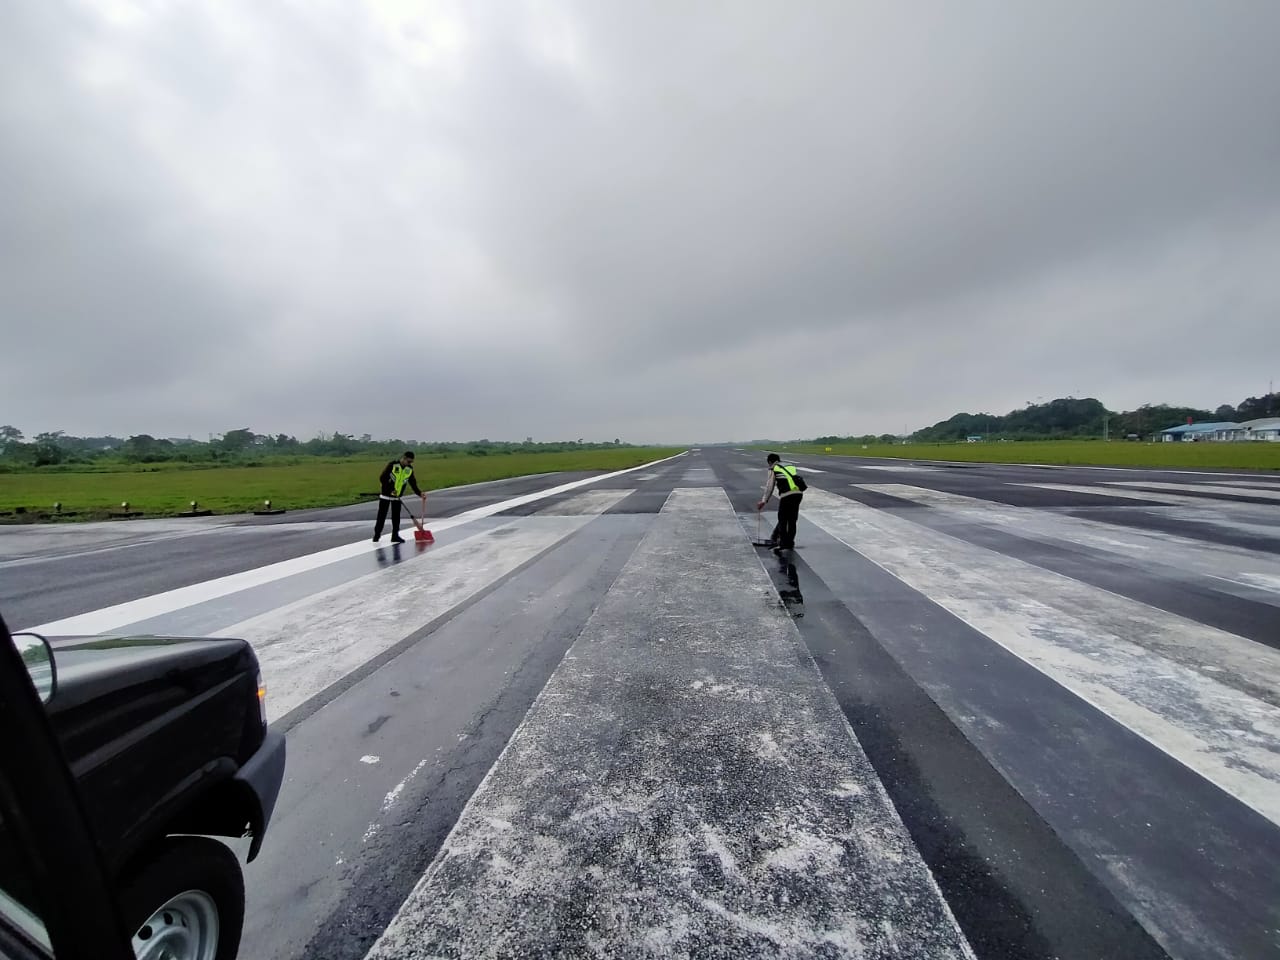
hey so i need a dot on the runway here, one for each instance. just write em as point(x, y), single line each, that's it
point(981, 710)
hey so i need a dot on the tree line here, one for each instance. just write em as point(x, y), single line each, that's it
point(243, 446)
point(1074, 418)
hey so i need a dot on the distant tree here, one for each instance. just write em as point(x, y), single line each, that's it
point(237, 441)
point(47, 448)
point(1063, 417)
point(139, 446)
point(10, 440)
point(1225, 413)
point(963, 425)
point(342, 445)
point(145, 448)
point(1267, 405)
point(95, 445)
point(1152, 418)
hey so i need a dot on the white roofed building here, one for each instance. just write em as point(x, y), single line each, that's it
point(1265, 428)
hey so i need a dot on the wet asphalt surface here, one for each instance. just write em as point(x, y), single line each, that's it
point(446, 701)
point(89, 579)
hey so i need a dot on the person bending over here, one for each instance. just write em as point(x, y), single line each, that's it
point(393, 478)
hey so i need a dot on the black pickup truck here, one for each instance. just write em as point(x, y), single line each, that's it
point(165, 745)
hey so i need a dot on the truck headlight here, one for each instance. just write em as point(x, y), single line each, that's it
point(262, 700)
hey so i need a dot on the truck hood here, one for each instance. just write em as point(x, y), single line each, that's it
point(98, 668)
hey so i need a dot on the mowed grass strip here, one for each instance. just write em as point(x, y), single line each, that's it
point(1254, 455)
point(293, 487)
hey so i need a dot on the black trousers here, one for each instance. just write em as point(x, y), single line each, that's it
point(395, 506)
point(784, 534)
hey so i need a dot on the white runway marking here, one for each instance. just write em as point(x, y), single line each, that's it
point(135, 611)
point(305, 646)
point(903, 468)
point(591, 503)
point(1144, 667)
point(1217, 489)
point(1253, 568)
point(1166, 498)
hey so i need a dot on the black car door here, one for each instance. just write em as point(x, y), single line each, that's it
point(54, 900)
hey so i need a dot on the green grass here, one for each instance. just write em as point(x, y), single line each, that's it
point(1117, 453)
point(315, 483)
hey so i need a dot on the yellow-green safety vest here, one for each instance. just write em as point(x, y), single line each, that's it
point(786, 477)
point(400, 476)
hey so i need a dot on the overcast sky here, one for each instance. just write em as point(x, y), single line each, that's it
point(654, 221)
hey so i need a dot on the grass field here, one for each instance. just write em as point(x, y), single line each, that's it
point(323, 483)
point(1233, 456)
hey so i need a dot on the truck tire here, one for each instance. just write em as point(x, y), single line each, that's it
point(186, 902)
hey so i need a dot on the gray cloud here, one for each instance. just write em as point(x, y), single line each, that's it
point(609, 220)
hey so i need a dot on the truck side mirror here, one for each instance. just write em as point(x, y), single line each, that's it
point(37, 657)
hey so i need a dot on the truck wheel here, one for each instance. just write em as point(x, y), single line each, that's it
point(187, 903)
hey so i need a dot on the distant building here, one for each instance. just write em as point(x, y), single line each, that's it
point(1266, 428)
point(1203, 431)
point(974, 438)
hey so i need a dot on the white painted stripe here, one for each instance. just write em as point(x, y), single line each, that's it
point(1187, 473)
point(1233, 514)
point(592, 502)
point(144, 608)
point(684, 725)
point(307, 645)
point(1145, 668)
point(1261, 485)
point(1216, 489)
point(133, 611)
point(1252, 568)
point(1256, 581)
point(904, 468)
point(1166, 498)
point(1079, 466)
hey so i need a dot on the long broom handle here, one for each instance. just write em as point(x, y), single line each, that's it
point(416, 522)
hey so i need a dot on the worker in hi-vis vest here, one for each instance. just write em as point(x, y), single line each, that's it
point(393, 478)
point(790, 488)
